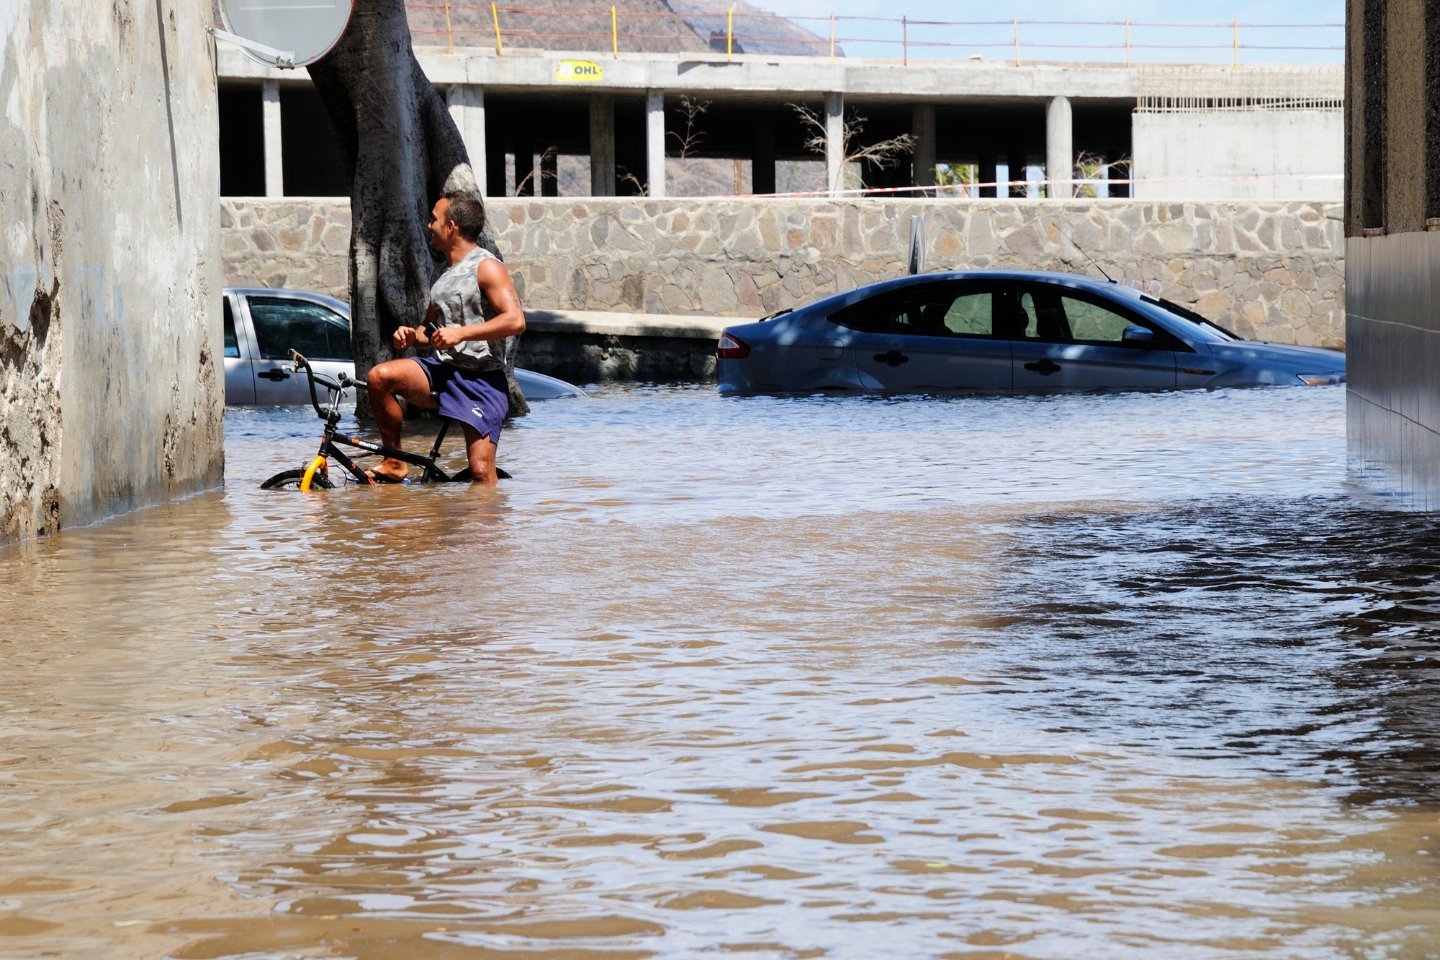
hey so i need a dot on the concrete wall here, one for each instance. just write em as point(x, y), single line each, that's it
point(1393, 404)
point(1273, 270)
point(1392, 222)
point(1245, 154)
point(109, 274)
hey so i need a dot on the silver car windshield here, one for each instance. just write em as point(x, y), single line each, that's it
point(1208, 329)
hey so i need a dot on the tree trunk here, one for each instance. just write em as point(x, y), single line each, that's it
point(402, 150)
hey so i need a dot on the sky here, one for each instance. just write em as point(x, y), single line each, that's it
point(1161, 31)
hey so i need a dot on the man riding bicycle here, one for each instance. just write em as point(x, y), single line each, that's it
point(473, 308)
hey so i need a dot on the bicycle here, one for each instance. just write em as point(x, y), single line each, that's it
point(316, 473)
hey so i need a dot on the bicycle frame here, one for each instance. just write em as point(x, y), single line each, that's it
point(332, 440)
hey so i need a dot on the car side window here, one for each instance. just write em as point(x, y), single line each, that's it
point(1093, 323)
point(939, 313)
point(941, 310)
point(1044, 315)
point(232, 345)
point(971, 314)
point(1058, 317)
point(282, 325)
point(871, 315)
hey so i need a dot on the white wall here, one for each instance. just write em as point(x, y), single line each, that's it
point(110, 396)
point(1241, 155)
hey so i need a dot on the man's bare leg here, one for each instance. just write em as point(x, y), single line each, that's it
point(405, 378)
point(480, 451)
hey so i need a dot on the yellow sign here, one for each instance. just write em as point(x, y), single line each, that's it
point(578, 71)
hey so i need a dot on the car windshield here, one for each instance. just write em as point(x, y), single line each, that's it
point(1209, 329)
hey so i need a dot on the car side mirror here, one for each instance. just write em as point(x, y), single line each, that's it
point(1138, 336)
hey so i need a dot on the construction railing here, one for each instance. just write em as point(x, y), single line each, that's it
point(487, 25)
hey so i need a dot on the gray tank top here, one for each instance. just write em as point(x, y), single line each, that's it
point(459, 303)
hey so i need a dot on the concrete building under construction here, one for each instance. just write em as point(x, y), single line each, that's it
point(589, 103)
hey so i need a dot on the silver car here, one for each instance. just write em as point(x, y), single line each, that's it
point(262, 326)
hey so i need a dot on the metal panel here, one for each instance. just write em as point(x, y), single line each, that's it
point(1393, 346)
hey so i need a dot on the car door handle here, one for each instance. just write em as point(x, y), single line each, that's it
point(893, 359)
point(1046, 366)
point(276, 375)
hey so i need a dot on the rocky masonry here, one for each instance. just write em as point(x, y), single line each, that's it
point(1271, 270)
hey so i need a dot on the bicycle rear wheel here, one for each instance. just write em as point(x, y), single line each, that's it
point(290, 480)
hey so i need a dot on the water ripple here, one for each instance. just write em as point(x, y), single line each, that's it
point(1118, 676)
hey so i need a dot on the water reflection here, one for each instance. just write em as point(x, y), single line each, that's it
point(1318, 646)
point(1093, 676)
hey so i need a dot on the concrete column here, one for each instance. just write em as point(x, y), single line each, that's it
point(602, 145)
point(922, 127)
point(762, 154)
point(655, 142)
point(467, 109)
point(986, 172)
point(495, 172)
point(1015, 160)
point(270, 121)
point(550, 174)
point(834, 142)
point(1059, 152)
point(525, 174)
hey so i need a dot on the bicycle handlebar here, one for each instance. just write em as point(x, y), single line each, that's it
point(345, 380)
point(312, 377)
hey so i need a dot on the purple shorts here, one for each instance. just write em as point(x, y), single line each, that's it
point(477, 398)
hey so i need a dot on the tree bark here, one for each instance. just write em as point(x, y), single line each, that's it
point(402, 150)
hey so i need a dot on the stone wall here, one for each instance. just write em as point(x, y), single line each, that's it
point(110, 396)
point(1273, 270)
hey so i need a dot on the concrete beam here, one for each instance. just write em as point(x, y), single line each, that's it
point(602, 145)
point(777, 78)
point(834, 142)
point(655, 142)
point(1059, 149)
point(270, 123)
point(467, 109)
point(943, 82)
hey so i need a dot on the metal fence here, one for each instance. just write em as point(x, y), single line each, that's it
point(1173, 89)
point(486, 25)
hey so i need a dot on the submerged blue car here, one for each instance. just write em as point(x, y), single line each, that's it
point(1004, 331)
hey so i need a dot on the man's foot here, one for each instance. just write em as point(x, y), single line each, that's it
point(388, 471)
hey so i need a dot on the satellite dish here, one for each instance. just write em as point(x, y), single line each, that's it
point(284, 33)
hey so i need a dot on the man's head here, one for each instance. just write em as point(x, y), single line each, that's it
point(456, 213)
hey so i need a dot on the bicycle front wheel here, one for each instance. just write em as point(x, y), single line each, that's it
point(290, 480)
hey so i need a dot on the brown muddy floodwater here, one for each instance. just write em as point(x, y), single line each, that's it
point(1094, 676)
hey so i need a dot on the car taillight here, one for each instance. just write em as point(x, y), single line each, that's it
point(731, 347)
